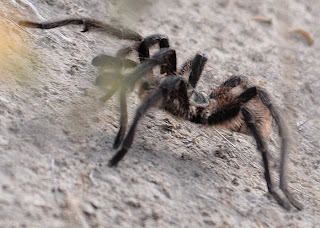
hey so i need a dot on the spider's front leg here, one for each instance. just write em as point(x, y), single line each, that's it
point(147, 42)
point(232, 82)
point(195, 66)
point(163, 56)
point(117, 31)
point(123, 119)
point(143, 47)
point(169, 85)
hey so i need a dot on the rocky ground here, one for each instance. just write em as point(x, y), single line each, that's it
point(56, 136)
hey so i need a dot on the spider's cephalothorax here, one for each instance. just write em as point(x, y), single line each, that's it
point(233, 105)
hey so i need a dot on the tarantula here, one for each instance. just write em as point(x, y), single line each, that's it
point(234, 105)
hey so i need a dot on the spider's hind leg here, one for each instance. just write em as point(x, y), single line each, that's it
point(262, 147)
point(264, 97)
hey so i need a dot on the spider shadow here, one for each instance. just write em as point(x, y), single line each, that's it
point(185, 169)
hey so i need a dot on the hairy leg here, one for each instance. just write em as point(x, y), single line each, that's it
point(123, 120)
point(146, 43)
point(143, 47)
point(117, 31)
point(197, 66)
point(165, 88)
point(232, 82)
point(163, 56)
point(169, 65)
point(163, 42)
point(284, 147)
point(262, 147)
point(158, 58)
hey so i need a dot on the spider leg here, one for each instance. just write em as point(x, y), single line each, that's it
point(262, 147)
point(165, 88)
point(123, 120)
point(162, 56)
point(177, 101)
point(143, 47)
point(163, 41)
point(146, 43)
point(169, 65)
point(196, 68)
point(129, 138)
point(232, 109)
point(284, 147)
point(232, 82)
point(119, 32)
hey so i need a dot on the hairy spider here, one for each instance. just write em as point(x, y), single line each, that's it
point(234, 105)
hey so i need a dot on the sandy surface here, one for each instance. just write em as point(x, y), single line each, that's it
point(56, 137)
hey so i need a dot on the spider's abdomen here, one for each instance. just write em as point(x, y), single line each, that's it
point(234, 121)
point(262, 116)
point(262, 119)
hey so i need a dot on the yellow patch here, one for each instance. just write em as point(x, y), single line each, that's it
point(15, 58)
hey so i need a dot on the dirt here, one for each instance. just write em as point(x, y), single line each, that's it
point(56, 136)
